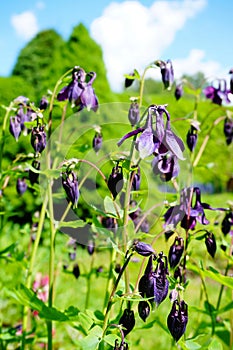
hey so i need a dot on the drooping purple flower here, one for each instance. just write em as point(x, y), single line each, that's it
point(159, 140)
point(175, 252)
point(179, 91)
point(134, 113)
point(127, 321)
point(154, 284)
point(228, 130)
point(38, 138)
point(21, 185)
point(115, 181)
point(97, 141)
point(167, 73)
point(15, 127)
point(177, 319)
point(218, 94)
point(187, 212)
point(79, 91)
point(70, 185)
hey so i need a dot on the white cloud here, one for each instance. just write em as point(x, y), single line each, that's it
point(195, 62)
point(25, 24)
point(133, 35)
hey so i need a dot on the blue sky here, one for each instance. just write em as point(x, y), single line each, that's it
point(194, 34)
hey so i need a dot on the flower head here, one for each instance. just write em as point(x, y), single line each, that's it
point(15, 127)
point(115, 180)
point(179, 91)
point(127, 321)
point(79, 91)
point(218, 94)
point(38, 138)
point(167, 73)
point(175, 252)
point(97, 141)
point(134, 113)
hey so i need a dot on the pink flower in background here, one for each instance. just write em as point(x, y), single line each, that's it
point(41, 286)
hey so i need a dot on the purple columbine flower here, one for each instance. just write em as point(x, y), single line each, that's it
point(167, 73)
point(21, 186)
point(70, 185)
point(142, 248)
point(210, 243)
point(127, 321)
point(218, 94)
point(154, 284)
point(175, 252)
point(187, 212)
point(191, 137)
point(177, 319)
point(15, 127)
point(38, 138)
point(80, 91)
point(43, 103)
point(159, 140)
point(227, 222)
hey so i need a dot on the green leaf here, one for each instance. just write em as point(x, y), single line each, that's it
point(85, 321)
point(215, 345)
point(213, 274)
point(73, 224)
point(111, 339)
point(8, 249)
point(91, 342)
point(110, 208)
point(191, 345)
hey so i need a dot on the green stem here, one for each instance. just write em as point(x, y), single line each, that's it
point(205, 141)
point(110, 277)
point(222, 288)
point(89, 281)
point(31, 267)
point(113, 293)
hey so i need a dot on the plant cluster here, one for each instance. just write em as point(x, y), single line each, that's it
point(53, 173)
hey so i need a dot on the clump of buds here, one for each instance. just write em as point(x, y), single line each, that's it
point(115, 181)
point(175, 252)
point(177, 319)
point(127, 321)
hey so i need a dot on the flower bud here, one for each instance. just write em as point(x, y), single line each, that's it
point(72, 256)
point(136, 181)
point(70, 185)
point(191, 138)
point(175, 252)
point(110, 223)
point(210, 243)
point(127, 321)
point(177, 319)
point(76, 271)
point(179, 91)
point(228, 130)
point(97, 142)
point(15, 127)
point(128, 81)
point(21, 186)
point(227, 223)
point(167, 73)
point(123, 345)
point(143, 249)
point(143, 309)
point(134, 113)
point(43, 103)
point(91, 246)
point(115, 181)
point(38, 139)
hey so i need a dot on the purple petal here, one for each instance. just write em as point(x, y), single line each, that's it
point(130, 134)
point(174, 144)
point(145, 144)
